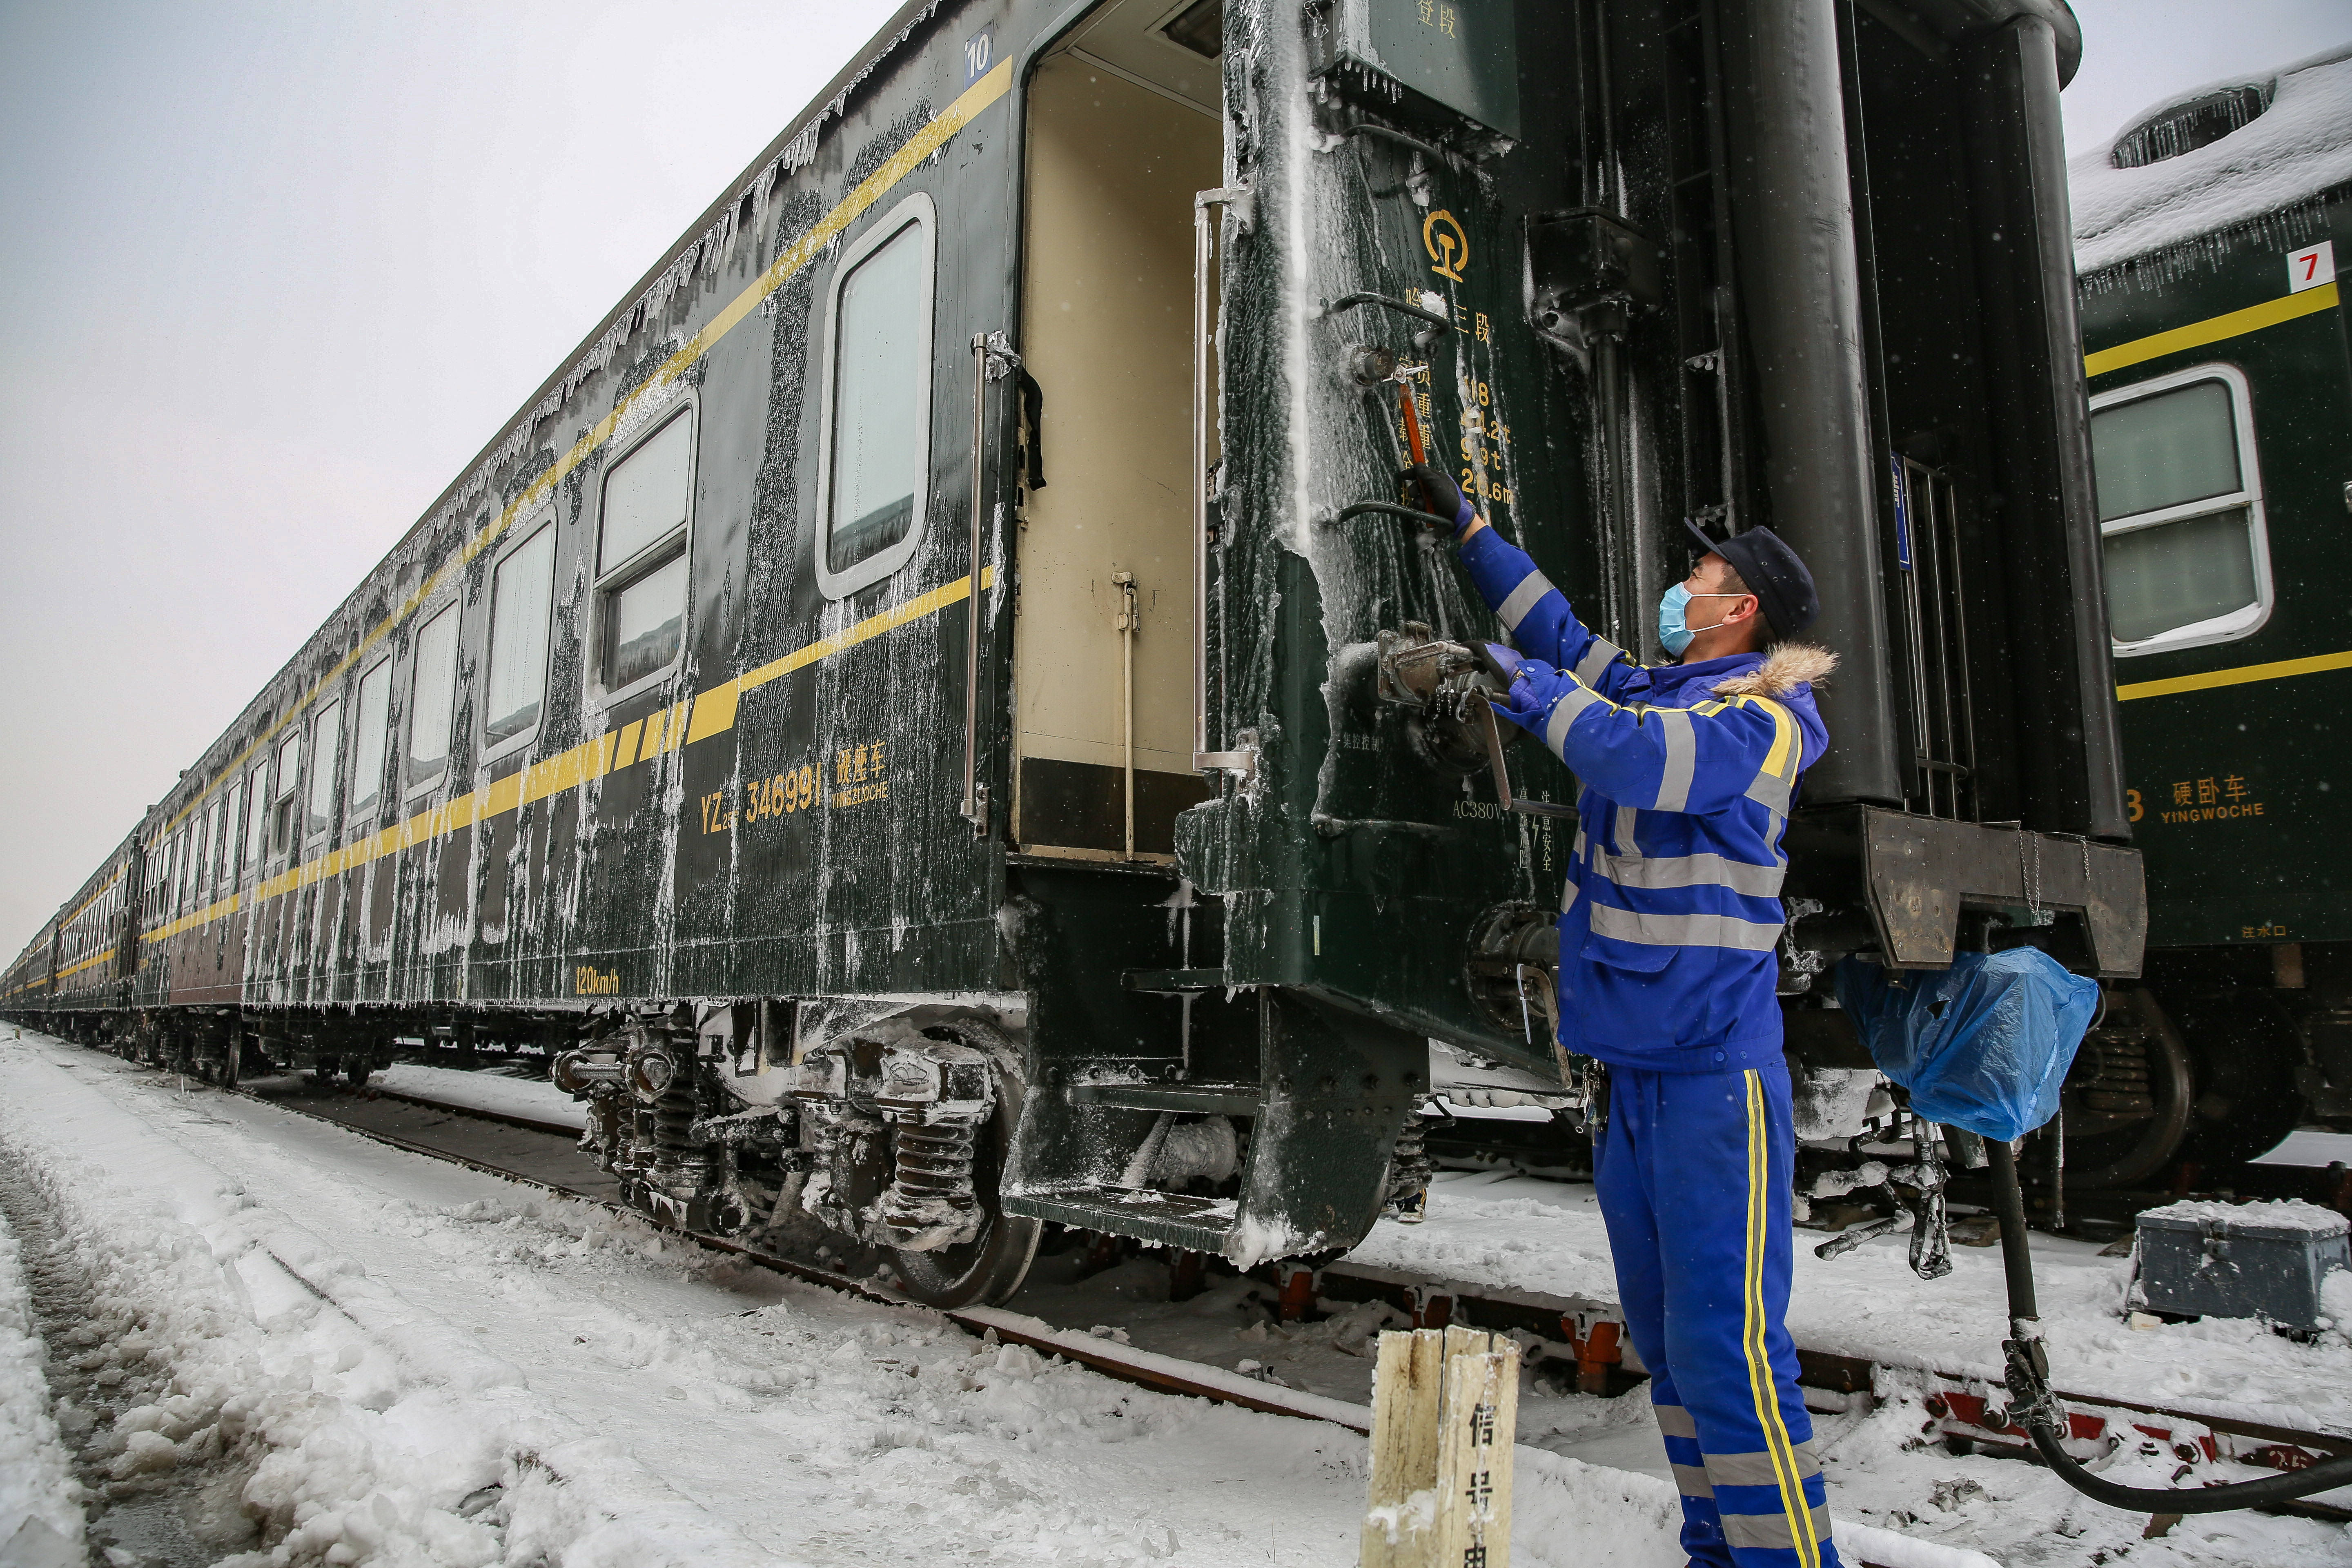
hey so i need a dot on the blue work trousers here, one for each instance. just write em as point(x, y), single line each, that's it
point(1693, 1173)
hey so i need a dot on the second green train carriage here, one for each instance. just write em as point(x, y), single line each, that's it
point(2220, 385)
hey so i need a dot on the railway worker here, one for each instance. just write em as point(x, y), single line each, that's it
point(1668, 927)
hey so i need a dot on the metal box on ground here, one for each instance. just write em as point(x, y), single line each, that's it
point(2266, 1260)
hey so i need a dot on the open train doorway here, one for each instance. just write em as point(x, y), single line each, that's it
point(1124, 127)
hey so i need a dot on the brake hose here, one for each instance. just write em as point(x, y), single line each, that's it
point(2034, 1408)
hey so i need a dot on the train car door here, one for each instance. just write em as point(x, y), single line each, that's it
point(1124, 126)
point(1418, 213)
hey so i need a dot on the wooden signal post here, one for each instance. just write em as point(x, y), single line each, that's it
point(1444, 1406)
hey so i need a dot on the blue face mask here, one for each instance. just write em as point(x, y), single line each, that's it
point(1674, 635)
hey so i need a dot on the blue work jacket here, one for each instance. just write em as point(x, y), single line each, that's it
point(1672, 912)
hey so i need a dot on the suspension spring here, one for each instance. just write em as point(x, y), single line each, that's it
point(674, 1115)
point(1410, 1169)
point(2116, 1083)
point(931, 1202)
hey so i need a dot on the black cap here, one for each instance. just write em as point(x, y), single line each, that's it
point(1772, 572)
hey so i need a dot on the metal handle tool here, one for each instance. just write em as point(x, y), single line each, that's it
point(1503, 795)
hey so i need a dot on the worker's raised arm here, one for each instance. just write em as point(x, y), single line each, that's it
point(1698, 759)
point(1535, 614)
point(1538, 617)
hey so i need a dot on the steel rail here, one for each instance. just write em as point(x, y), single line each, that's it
point(1436, 1300)
point(1145, 1368)
point(553, 1129)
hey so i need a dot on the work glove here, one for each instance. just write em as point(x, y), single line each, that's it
point(1445, 497)
point(1535, 687)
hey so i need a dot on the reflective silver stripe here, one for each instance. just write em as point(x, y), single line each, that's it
point(1691, 1481)
point(1756, 1469)
point(1628, 847)
point(1770, 1531)
point(1682, 758)
point(1575, 700)
point(1523, 598)
point(1770, 792)
point(1691, 871)
point(1685, 931)
point(1598, 658)
point(1674, 1421)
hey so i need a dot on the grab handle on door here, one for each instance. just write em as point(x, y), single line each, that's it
point(991, 358)
point(1243, 761)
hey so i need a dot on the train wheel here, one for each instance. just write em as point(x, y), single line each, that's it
point(990, 1268)
point(2128, 1095)
point(356, 1070)
point(233, 1064)
point(2245, 1048)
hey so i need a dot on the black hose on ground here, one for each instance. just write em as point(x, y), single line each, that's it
point(2034, 1406)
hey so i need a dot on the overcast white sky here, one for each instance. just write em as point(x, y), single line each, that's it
point(275, 271)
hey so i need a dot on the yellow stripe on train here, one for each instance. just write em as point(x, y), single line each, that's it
point(682, 724)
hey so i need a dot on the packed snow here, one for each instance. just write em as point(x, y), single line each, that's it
point(2300, 146)
point(532, 1099)
point(40, 1513)
point(402, 1362)
point(1548, 1237)
point(2280, 1215)
point(2311, 1146)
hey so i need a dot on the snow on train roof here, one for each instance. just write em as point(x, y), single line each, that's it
point(2299, 147)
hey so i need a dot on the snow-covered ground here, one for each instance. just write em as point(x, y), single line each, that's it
point(532, 1097)
point(40, 1513)
point(409, 1363)
point(1547, 1236)
point(2310, 1146)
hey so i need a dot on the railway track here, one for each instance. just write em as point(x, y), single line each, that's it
point(1968, 1409)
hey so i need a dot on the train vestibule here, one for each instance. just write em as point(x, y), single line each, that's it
point(1123, 128)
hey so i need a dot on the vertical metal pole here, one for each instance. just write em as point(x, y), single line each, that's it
point(1124, 581)
point(974, 809)
point(1201, 256)
point(1204, 250)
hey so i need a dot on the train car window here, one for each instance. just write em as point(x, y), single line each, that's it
point(432, 698)
point(641, 555)
point(2181, 509)
point(326, 736)
point(207, 849)
point(176, 881)
point(370, 723)
point(874, 460)
point(231, 815)
point(520, 599)
point(195, 885)
point(290, 779)
point(256, 815)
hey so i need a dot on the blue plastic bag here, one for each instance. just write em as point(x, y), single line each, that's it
point(1983, 1046)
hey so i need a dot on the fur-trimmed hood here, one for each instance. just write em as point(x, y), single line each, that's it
point(1786, 667)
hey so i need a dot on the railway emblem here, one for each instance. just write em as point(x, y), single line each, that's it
point(1448, 244)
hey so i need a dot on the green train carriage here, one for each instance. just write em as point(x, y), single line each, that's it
point(2222, 424)
point(940, 720)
